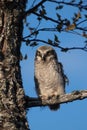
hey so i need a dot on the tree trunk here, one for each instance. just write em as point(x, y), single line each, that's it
point(12, 110)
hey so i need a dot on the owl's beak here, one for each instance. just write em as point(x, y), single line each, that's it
point(43, 57)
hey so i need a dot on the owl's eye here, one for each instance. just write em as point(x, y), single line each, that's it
point(38, 53)
point(49, 53)
point(52, 53)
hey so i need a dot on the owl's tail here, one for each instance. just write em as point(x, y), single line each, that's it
point(54, 107)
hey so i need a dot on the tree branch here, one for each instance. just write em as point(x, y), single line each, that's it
point(77, 5)
point(59, 22)
point(63, 49)
point(76, 95)
point(34, 8)
point(46, 17)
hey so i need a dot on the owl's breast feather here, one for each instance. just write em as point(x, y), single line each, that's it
point(47, 73)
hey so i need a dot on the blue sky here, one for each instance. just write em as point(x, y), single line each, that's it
point(71, 116)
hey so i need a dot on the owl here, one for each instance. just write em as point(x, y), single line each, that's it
point(49, 75)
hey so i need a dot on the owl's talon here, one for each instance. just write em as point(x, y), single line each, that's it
point(49, 97)
point(57, 96)
point(44, 97)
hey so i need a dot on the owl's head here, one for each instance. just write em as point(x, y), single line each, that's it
point(45, 53)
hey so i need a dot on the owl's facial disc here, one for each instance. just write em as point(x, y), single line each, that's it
point(40, 56)
point(46, 54)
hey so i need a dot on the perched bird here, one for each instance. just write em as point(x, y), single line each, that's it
point(49, 75)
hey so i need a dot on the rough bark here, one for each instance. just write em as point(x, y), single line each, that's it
point(12, 110)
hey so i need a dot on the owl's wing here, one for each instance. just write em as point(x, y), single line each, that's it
point(37, 86)
point(60, 70)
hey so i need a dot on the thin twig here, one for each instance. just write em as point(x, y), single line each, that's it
point(46, 17)
point(34, 8)
point(63, 49)
point(69, 3)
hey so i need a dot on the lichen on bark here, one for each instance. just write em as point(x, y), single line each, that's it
point(12, 110)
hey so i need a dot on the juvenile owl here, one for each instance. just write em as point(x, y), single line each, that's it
point(49, 76)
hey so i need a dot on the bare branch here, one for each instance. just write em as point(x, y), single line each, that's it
point(82, 22)
point(34, 8)
point(63, 49)
point(54, 30)
point(77, 5)
point(76, 95)
point(59, 22)
point(46, 17)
